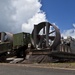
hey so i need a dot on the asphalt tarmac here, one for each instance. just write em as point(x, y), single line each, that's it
point(24, 70)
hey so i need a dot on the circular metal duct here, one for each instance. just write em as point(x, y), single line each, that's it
point(51, 35)
point(6, 37)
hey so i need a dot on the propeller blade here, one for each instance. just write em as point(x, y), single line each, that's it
point(52, 32)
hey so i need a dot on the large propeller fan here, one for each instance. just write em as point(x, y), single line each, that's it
point(45, 35)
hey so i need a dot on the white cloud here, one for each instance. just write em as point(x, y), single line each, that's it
point(70, 32)
point(74, 25)
point(20, 15)
point(37, 18)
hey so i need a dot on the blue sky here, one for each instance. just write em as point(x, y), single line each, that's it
point(21, 15)
point(60, 12)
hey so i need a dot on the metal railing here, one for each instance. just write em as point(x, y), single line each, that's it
point(64, 48)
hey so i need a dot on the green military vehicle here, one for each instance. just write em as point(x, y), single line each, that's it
point(20, 43)
point(13, 44)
